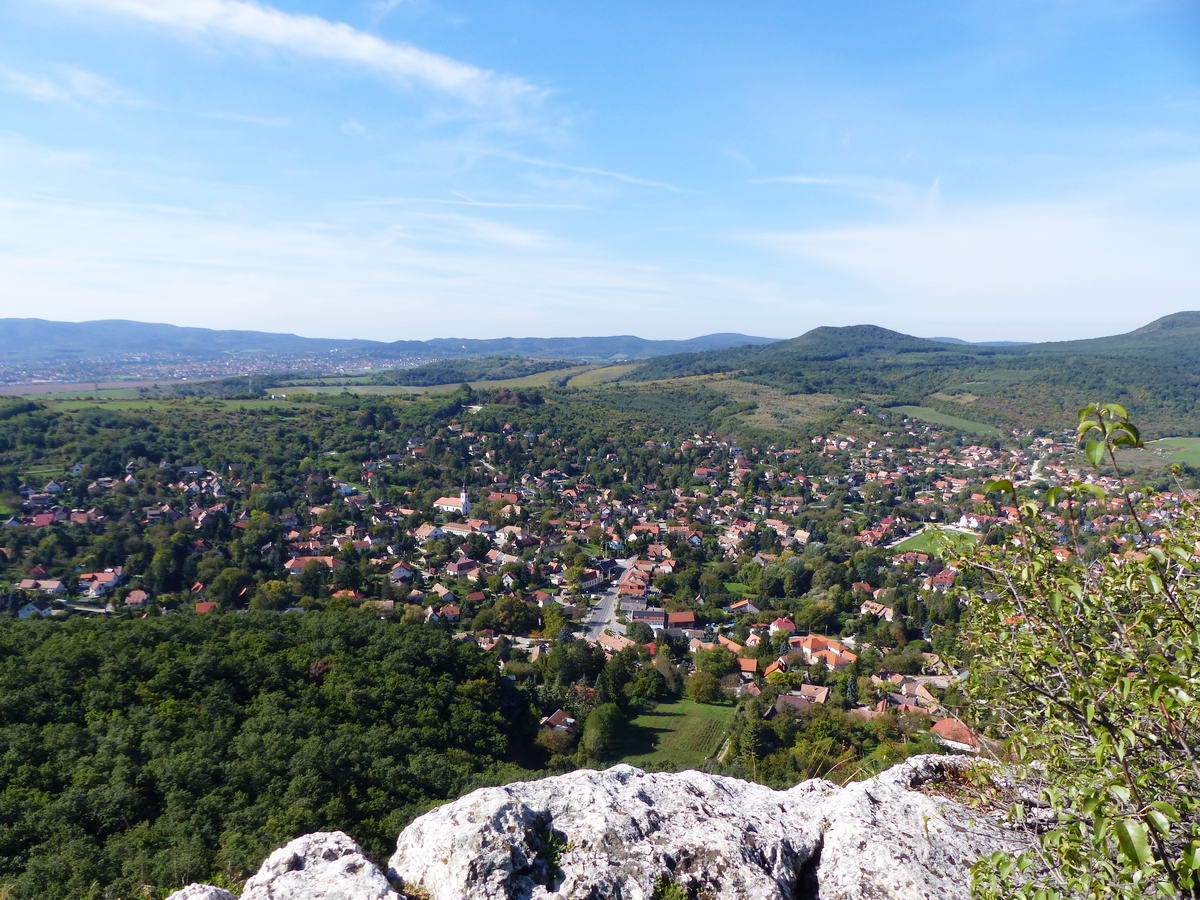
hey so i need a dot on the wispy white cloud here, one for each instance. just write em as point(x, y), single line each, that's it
point(738, 157)
point(889, 192)
point(381, 9)
point(320, 38)
point(500, 234)
point(1037, 269)
point(464, 200)
point(248, 119)
point(588, 170)
point(460, 199)
point(64, 85)
point(34, 88)
point(414, 276)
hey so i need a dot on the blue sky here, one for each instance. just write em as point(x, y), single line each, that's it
point(420, 168)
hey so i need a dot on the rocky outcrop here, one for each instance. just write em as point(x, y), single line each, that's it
point(322, 866)
point(621, 833)
point(614, 834)
point(326, 865)
point(894, 836)
point(618, 833)
point(202, 892)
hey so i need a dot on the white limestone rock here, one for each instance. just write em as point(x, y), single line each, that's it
point(201, 892)
point(617, 832)
point(882, 840)
point(326, 865)
point(613, 834)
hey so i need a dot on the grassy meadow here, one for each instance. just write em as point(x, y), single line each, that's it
point(676, 736)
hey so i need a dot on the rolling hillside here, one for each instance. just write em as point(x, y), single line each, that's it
point(1154, 369)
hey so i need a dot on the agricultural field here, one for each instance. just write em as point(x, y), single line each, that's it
point(601, 375)
point(125, 393)
point(157, 403)
point(103, 403)
point(40, 474)
point(676, 736)
point(540, 379)
point(1184, 450)
point(936, 417)
point(385, 390)
point(774, 408)
point(82, 388)
point(1152, 460)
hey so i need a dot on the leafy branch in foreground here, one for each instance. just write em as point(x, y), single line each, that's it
point(1090, 673)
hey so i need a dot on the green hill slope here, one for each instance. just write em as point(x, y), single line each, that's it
point(1155, 368)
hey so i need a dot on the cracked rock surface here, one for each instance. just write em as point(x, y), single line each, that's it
point(616, 833)
point(326, 865)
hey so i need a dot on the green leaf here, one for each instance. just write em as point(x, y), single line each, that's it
point(1094, 450)
point(1166, 809)
point(998, 484)
point(1134, 841)
point(1191, 856)
point(1124, 439)
point(1158, 822)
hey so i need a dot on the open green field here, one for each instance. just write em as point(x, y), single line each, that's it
point(540, 379)
point(293, 390)
point(601, 375)
point(676, 736)
point(87, 403)
point(924, 542)
point(1153, 459)
point(1179, 450)
point(37, 475)
point(116, 389)
point(936, 417)
point(738, 589)
point(774, 409)
point(159, 403)
point(127, 393)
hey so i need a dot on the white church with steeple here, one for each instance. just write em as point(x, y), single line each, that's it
point(460, 504)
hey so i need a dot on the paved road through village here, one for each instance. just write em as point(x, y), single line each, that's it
point(604, 614)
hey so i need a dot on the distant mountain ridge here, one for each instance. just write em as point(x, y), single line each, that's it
point(33, 340)
point(952, 340)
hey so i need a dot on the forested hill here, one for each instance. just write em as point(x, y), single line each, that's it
point(35, 340)
point(1155, 368)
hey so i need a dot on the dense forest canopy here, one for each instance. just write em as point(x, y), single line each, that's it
point(162, 750)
